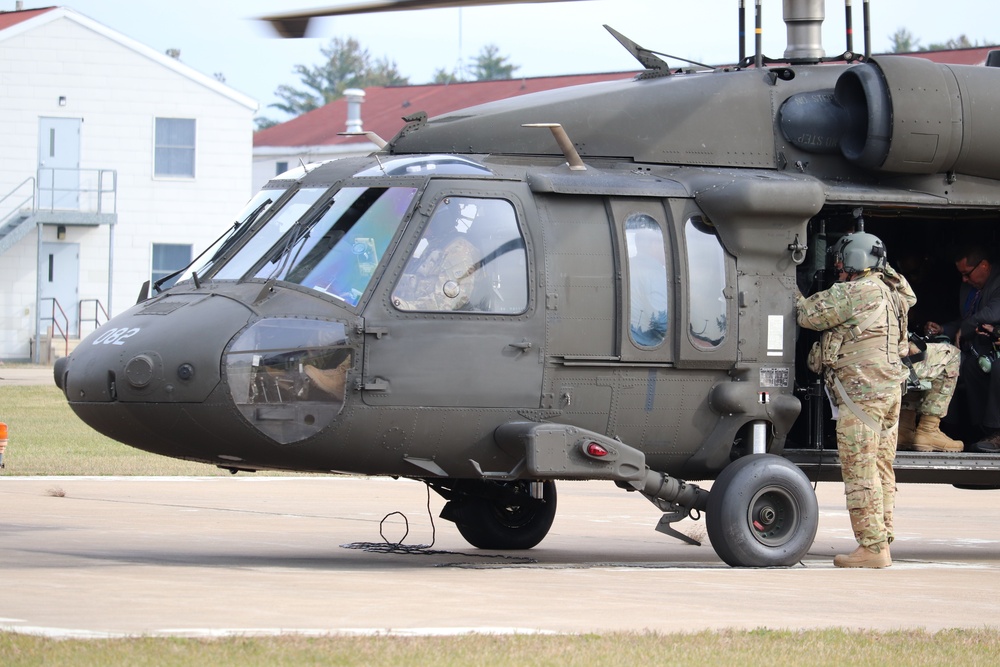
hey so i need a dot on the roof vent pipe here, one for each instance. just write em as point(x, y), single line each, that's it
point(804, 23)
point(355, 97)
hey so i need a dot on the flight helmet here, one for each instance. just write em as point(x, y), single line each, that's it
point(859, 252)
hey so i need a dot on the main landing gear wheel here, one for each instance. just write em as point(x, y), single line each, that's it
point(512, 521)
point(761, 512)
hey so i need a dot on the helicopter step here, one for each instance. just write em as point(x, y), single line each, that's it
point(965, 469)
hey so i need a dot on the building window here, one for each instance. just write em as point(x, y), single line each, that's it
point(174, 150)
point(168, 258)
point(280, 168)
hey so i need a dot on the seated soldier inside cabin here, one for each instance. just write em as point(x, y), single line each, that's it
point(933, 374)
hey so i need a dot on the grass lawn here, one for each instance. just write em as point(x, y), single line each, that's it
point(766, 648)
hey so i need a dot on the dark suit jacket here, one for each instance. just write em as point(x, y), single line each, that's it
point(987, 310)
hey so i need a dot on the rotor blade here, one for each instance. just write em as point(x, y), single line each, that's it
point(295, 24)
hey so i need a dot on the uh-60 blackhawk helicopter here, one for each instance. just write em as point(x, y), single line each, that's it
point(592, 283)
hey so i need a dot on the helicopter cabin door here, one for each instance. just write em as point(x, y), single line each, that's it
point(454, 322)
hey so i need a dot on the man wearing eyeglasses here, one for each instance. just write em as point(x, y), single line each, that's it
point(975, 333)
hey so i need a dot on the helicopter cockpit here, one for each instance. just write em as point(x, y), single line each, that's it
point(316, 233)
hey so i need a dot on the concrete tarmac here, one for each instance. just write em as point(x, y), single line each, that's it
point(98, 557)
point(24, 375)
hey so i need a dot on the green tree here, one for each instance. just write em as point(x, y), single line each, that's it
point(489, 65)
point(961, 42)
point(443, 76)
point(346, 65)
point(262, 123)
point(903, 41)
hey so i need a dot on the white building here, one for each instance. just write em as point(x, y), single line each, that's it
point(118, 164)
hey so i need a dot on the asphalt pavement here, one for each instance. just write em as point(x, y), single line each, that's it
point(105, 557)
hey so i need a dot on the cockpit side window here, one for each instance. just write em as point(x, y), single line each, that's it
point(471, 257)
point(707, 326)
point(647, 280)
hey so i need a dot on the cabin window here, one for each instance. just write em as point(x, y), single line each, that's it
point(470, 258)
point(647, 280)
point(707, 325)
point(267, 237)
point(168, 258)
point(174, 151)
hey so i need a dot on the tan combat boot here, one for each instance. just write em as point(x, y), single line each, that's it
point(875, 556)
point(929, 437)
point(907, 429)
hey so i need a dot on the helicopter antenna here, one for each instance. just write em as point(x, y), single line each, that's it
point(758, 56)
point(848, 26)
point(564, 143)
point(368, 134)
point(742, 30)
point(648, 58)
point(868, 30)
point(645, 57)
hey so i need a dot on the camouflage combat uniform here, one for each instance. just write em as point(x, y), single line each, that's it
point(868, 314)
point(441, 279)
point(938, 373)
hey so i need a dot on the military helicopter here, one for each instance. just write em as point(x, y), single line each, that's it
point(591, 283)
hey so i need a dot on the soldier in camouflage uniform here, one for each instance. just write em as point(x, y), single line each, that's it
point(937, 373)
point(441, 275)
point(863, 320)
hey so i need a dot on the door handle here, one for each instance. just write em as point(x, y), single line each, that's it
point(524, 345)
point(375, 384)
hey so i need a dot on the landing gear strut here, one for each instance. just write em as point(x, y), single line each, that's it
point(500, 515)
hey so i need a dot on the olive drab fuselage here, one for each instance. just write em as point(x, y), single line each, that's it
point(302, 341)
point(426, 387)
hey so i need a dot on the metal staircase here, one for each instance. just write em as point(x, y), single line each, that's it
point(94, 203)
point(17, 214)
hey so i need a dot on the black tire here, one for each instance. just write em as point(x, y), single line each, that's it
point(761, 512)
point(506, 524)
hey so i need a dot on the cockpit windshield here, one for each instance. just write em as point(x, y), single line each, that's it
point(327, 242)
point(269, 234)
point(252, 211)
point(335, 249)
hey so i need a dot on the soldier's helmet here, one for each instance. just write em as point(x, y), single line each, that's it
point(859, 252)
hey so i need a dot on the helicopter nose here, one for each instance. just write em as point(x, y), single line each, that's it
point(209, 381)
point(163, 351)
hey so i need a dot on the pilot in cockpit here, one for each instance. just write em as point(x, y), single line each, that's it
point(442, 273)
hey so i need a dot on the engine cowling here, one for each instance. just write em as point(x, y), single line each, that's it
point(907, 115)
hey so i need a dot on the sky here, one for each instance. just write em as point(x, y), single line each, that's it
point(222, 36)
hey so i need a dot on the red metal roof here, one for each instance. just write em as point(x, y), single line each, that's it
point(385, 106)
point(973, 56)
point(7, 19)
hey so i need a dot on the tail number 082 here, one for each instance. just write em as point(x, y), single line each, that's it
point(115, 336)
